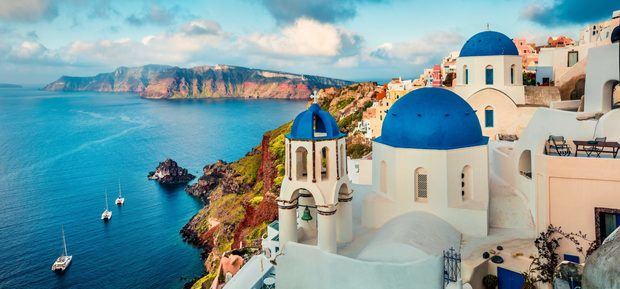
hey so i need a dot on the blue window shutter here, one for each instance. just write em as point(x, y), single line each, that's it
point(466, 76)
point(489, 76)
point(488, 118)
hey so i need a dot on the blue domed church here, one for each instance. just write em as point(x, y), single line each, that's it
point(314, 206)
point(431, 157)
point(490, 78)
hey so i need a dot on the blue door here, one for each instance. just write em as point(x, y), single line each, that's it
point(509, 279)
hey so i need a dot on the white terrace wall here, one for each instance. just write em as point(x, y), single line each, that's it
point(307, 267)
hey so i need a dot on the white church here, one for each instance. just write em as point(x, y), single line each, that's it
point(438, 182)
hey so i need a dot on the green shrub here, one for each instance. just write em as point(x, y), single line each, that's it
point(490, 281)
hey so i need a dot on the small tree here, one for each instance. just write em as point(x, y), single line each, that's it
point(543, 266)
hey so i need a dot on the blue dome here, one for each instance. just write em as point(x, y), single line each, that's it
point(615, 35)
point(489, 43)
point(314, 124)
point(431, 118)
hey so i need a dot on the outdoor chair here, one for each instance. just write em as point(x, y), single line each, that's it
point(594, 148)
point(558, 143)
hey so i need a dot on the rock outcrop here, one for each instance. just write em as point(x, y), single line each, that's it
point(163, 82)
point(168, 172)
point(602, 269)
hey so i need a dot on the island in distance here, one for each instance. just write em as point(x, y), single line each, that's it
point(9, 85)
point(171, 82)
point(169, 172)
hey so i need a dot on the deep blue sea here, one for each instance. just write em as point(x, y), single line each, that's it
point(59, 152)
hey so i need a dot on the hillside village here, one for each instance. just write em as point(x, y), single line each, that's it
point(497, 167)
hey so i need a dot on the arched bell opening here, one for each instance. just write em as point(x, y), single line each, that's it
point(307, 217)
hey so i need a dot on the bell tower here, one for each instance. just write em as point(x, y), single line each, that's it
point(315, 197)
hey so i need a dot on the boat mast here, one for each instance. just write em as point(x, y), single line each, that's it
point(64, 242)
point(106, 199)
point(119, 190)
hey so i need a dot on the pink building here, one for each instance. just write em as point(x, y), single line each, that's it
point(527, 51)
point(436, 75)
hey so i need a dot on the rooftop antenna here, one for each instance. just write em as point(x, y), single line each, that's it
point(315, 97)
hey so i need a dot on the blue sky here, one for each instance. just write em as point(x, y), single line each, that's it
point(350, 39)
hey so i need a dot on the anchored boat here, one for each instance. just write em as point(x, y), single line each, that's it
point(62, 262)
point(107, 214)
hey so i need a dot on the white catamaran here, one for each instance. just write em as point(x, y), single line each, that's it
point(107, 214)
point(120, 200)
point(64, 260)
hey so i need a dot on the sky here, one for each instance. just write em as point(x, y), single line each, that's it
point(41, 40)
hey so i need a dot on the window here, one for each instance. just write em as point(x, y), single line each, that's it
point(525, 164)
point(421, 185)
point(318, 127)
point(466, 74)
point(573, 58)
point(489, 75)
point(571, 258)
point(383, 177)
point(324, 163)
point(607, 221)
point(467, 182)
point(512, 74)
point(301, 157)
point(488, 117)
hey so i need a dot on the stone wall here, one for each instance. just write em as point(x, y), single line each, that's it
point(541, 95)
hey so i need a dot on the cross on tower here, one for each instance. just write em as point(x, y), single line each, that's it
point(315, 97)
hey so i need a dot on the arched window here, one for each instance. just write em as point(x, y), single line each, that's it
point(465, 74)
point(324, 163)
point(488, 117)
point(512, 74)
point(301, 157)
point(318, 127)
point(525, 164)
point(467, 183)
point(421, 185)
point(608, 94)
point(383, 177)
point(489, 75)
point(615, 97)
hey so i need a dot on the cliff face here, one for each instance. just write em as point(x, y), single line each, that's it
point(162, 82)
point(240, 196)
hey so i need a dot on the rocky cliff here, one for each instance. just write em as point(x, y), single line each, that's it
point(240, 196)
point(163, 82)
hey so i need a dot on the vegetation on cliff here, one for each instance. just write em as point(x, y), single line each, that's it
point(240, 196)
point(170, 82)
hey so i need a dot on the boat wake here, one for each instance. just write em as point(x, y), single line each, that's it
point(48, 162)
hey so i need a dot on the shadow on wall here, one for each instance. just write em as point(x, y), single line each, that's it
point(573, 89)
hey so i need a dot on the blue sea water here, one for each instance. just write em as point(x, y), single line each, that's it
point(59, 152)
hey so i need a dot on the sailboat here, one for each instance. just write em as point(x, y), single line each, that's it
point(107, 214)
point(120, 200)
point(64, 260)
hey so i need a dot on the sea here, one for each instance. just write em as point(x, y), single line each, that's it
point(60, 152)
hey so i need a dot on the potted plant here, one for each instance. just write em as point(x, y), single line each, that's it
point(490, 281)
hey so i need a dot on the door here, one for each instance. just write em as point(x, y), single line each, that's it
point(509, 279)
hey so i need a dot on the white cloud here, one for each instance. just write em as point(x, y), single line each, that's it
point(421, 50)
point(202, 27)
point(27, 10)
point(174, 48)
point(306, 37)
